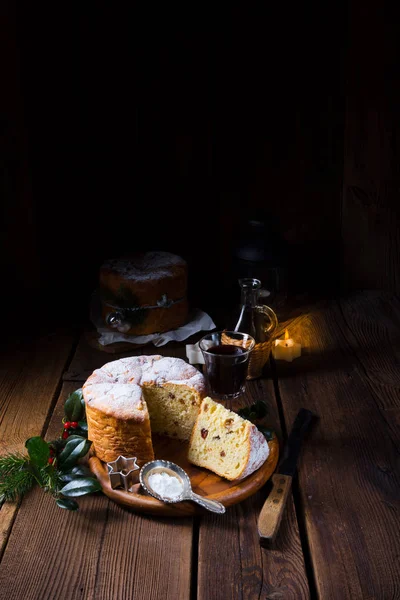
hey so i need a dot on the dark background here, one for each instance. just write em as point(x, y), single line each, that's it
point(169, 128)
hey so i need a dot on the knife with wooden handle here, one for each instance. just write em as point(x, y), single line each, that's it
point(271, 513)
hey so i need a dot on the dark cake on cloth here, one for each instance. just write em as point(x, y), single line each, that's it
point(144, 293)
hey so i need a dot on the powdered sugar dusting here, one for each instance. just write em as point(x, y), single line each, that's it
point(173, 370)
point(259, 451)
point(116, 398)
point(115, 389)
point(146, 266)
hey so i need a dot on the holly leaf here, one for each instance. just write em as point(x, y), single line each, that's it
point(38, 451)
point(75, 472)
point(267, 433)
point(74, 408)
point(81, 487)
point(75, 436)
point(67, 503)
point(244, 412)
point(83, 426)
point(74, 450)
point(260, 408)
point(58, 444)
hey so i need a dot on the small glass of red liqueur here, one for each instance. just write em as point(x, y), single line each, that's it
point(226, 357)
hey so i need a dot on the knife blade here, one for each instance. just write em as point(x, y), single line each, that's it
point(271, 513)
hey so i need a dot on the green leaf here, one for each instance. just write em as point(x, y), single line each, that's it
point(83, 426)
point(58, 445)
point(80, 487)
point(268, 433)
point(67, 503)
point(244, 412)
point(81, 471)
point(38, 451)
point(260, 408)
point(75, 436)
point(74, 449)
point(77, 471)
point(74, 408)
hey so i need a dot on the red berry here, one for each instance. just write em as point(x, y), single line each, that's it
point(67, 425)
point(65, 435)
point(50, 461)
point(51, 450)
point(74, 424)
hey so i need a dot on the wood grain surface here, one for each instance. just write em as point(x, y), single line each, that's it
point(102, 551)
point(371, 176)
point(29, 376)
point(348, 474)
point(271, 513)
point(338, 540)
point(204, 482)
point(231, 562)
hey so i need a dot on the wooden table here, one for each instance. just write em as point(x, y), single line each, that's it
point(340, 534)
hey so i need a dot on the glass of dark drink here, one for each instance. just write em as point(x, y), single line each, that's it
point(226, 357)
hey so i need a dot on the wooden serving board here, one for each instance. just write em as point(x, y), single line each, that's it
point(204, 482)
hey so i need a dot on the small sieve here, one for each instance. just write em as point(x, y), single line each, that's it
point(165, 466)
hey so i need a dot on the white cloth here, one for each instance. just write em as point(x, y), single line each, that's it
point(194, 354)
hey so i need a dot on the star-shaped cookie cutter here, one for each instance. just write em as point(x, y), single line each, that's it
point(123, 472)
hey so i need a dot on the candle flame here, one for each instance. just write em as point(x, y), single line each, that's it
point(286, 334)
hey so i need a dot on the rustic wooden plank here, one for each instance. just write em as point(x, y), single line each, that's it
point(232, 564)
point(89, 357)
point(371, 178)
point(30, 373)
point(349, 469)
point(373, 325)
point(371, 235)
point(103, 550)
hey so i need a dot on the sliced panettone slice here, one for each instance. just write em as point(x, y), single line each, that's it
point(225, 443)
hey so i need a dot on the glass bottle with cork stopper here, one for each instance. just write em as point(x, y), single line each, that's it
point(259, 321)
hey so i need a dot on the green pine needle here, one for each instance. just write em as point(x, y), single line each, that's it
point(19, 473)
point(15, 478)
point(50, 480)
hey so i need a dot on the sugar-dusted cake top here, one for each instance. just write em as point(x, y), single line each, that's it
point(172, 370)
point(116, 388)
point(145, 266)
point(116, 399)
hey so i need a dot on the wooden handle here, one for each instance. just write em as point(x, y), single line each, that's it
point(271, 513)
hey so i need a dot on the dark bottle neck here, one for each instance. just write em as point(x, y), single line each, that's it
point(249, 291)
point(249, 296)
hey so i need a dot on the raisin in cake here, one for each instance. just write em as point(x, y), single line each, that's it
point(128, 399)
point(225, 443)
point(147, 291)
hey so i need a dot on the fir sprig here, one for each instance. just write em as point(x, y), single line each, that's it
point(15, 478)
point(54, 466)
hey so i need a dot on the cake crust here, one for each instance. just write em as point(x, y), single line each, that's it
point(118, 415)
point(225, 443)
point(113, 437)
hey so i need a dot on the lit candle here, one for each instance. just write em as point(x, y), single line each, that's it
point(286, 349)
